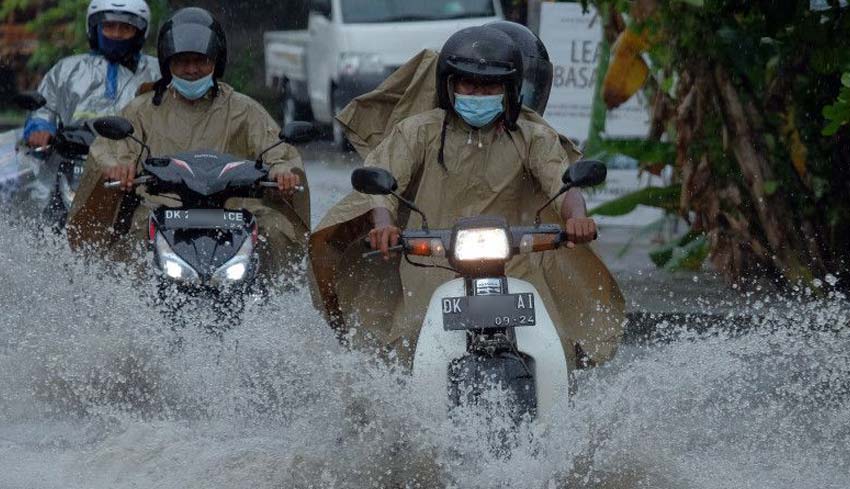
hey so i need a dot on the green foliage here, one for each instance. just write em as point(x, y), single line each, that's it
point(642, 150)
point(61, 27)
point(666, 198)
point(687, 256)
point(681, 249)
point(838, 114)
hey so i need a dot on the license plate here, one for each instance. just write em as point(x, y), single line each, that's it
point(488, 311)
point(202, 219)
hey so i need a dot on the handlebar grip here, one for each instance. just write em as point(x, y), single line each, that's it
point(563, 239)
point(271, 184)
point(378, 252)
point(136, 181)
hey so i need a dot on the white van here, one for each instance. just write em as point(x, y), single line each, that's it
point(351, 46)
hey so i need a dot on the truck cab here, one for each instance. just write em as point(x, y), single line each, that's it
point(351, 46)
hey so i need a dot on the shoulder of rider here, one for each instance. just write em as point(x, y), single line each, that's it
point(532, 125)
point(423, 123)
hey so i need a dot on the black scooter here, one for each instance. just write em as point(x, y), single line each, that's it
point(65, 156)
point(201, 248)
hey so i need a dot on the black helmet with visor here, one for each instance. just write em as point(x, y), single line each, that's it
point(537, 69)
point(485, 55)
point(190, 30)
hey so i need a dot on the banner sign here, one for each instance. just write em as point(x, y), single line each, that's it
point(573, 39)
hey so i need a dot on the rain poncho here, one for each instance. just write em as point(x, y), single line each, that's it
point(487, 172)
point(86, 86)
point(229, 123)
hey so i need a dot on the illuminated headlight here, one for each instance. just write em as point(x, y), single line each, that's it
point(236, 268)
point(172, 265)
point(481, 244)
point(353, 63)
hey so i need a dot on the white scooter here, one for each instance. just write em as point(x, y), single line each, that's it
point(483, 329)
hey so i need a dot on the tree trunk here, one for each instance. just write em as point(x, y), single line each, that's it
point(772, 212)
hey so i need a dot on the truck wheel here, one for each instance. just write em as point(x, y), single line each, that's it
point(339, 140)
point(290, 108)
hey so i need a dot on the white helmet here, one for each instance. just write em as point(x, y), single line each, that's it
point(133, 12)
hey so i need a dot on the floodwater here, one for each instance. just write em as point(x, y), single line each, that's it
point(94, 394)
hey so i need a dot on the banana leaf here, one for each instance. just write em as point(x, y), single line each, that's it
point(663, 254)
point(666, 198)
point(689, 257)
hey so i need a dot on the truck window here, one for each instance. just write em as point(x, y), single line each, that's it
point(371, 11)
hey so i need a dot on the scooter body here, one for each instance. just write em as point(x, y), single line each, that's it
point(533, 368)
point(202, 249)
point(485, 331)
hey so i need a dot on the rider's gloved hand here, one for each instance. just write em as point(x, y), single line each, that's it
point(287, 181)
point(39, 139)
point(385, 233)
point(125, 173)
point(579, 230)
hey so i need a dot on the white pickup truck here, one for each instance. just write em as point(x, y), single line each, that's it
point(351, 46)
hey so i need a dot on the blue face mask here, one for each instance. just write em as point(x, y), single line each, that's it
point(479, 110)
point(112, 49)
point(192, 90)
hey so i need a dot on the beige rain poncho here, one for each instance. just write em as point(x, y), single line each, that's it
point(488, 172)
point(229, 123)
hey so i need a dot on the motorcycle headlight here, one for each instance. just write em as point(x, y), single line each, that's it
point(172, 265)
point(362, 63)
point(481, 244)
point(236, 268)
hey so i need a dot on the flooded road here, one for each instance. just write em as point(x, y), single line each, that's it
point(94, 394)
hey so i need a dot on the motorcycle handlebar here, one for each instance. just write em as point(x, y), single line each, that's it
point(117, 183)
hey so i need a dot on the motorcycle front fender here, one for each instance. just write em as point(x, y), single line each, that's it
point(436, 348)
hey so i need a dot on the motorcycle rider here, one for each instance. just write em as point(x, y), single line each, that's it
point(103, 81)
point(190, 108)
point(478, 153)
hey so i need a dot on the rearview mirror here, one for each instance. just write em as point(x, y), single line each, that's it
point(29, 100)
point(585, 173)
point(298, 132)
point(113, 127)
point(373, 181)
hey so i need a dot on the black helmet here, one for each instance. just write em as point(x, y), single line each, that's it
point(485, 54)
point(191, 30)
point(537, 73)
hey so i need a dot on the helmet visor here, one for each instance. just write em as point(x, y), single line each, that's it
point(190, 38)
point(536, 84)
point(483, 70)
point(123, 17)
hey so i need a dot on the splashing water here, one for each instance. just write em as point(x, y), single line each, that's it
point(94, 394)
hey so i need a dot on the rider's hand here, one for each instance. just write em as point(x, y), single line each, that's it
point(382, 237)
point(287, 182)
point(124, 173)
point(580, 230)
point(385, 233)
point(39, 139)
